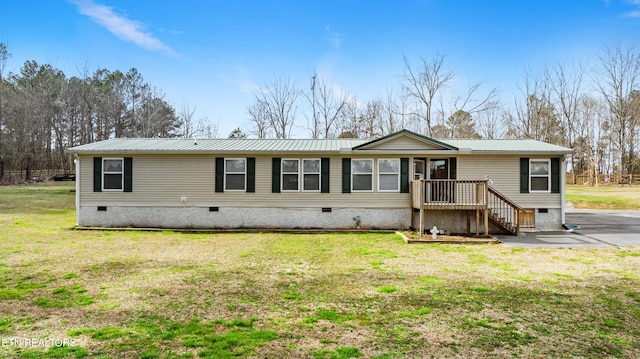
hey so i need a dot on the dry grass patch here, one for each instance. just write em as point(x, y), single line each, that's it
point(172, 295)
point(604, 197)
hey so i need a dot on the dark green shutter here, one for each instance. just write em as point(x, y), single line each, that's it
point(97, 174)
point(275, 175)
point(128, 174)
point(524, 175)
point(404, 175)
point(219, 174)
point(346, 175)
point(453, 168)
point(555, 175)
point(251, 174)
point(324, 175)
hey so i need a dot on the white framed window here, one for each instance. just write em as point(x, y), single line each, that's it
point(290, 175)
point(389, 175)
point(311, 175)
point(235, 174)
point(362, 175)
point(112, 174)
point(540, 175)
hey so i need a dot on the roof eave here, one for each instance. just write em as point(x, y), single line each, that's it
point(199, 152)
point(345, 151)
point(521, 153)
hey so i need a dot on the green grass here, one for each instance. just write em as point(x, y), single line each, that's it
point(604, 197)
point(65, 297)
point(176, 295)
point(387, 289)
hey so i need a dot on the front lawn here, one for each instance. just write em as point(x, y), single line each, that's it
point(107, 294)
point(604, 197)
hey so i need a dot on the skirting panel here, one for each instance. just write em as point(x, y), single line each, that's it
point(203, 217)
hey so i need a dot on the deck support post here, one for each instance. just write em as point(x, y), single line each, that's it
point(468, 222)
point(485, 201)
point(421, 221)
point(486, 222)
point(477, 222)
point(413, 222)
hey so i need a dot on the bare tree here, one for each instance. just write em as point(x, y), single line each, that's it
point(157, 118)
point(424, 83)
point(568, 92)
point(471, 104)
point(591, 143)
point(392, 120)
point(535, 116)
point(260, 122)
point(4, 56)
point(277, 103)
point(489, 121)
point(189, 127)
point(327, 108)
point(618, 71)
point(187, 122)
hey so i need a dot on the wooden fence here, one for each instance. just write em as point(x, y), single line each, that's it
point(18, 177)
point(605, 179)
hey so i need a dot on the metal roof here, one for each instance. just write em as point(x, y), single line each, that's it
point(510, 145)
point(175, 145)
point(179, 145)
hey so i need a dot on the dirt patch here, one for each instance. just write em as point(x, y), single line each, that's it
point(414, 237)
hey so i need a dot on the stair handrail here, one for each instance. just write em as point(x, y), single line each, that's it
point(515, 207)
point(505, 199)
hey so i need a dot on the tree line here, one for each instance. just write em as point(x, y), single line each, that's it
point(43, 112)
point(591, 108)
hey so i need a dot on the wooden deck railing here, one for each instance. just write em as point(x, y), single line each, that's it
point(466, 195)
point(449, 194)
point(504, 211)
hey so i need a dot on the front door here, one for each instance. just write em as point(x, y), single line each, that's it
point(440, 191)
point(418, 169)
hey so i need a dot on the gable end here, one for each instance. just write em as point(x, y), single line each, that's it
point(405, 140)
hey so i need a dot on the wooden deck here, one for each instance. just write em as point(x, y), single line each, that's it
point(465, 195)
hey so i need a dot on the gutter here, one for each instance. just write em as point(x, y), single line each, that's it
point(342, 151)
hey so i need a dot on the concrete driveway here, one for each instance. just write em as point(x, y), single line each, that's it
point(599, 228)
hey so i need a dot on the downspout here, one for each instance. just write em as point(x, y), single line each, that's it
point(563, 186)
point(77, 162)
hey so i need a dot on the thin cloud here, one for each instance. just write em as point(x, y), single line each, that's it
point(334, 36)
point(125, 29)
point(241, 78)
point(635, 13)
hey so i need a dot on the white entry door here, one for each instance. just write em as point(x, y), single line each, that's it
point(418, 169)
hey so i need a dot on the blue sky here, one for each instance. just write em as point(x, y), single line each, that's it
point(213, 55)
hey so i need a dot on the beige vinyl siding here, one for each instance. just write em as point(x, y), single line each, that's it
point(404, 143)
point(504, 171)
point(161, 180)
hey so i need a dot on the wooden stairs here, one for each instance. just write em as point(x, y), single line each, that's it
point(466, 195)
point(503, 212)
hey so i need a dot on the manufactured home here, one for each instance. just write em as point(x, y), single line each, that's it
point(398, 181)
